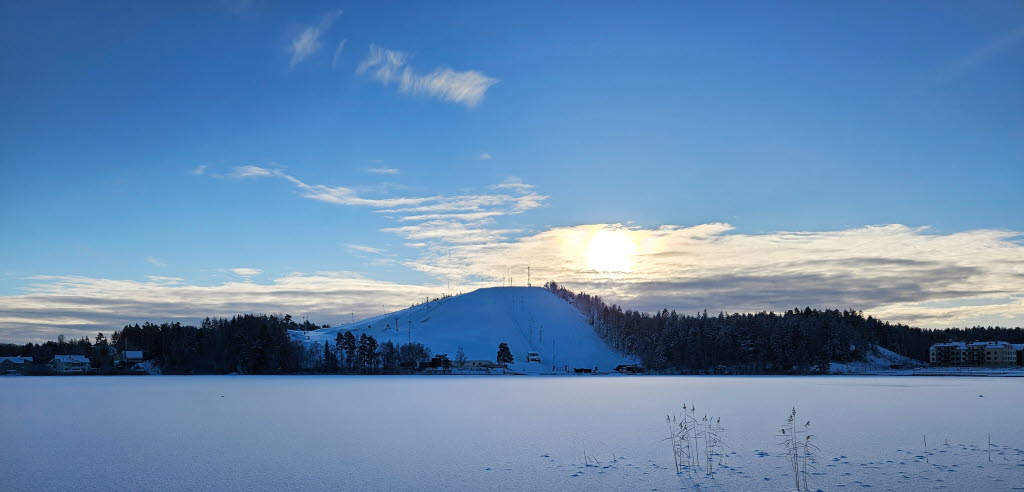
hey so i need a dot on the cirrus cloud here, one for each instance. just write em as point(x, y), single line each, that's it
point(391, 67)
point(307, 42)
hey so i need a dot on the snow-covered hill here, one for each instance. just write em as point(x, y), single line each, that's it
point(878, 360)
point(528, 319)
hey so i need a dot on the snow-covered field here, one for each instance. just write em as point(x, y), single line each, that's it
point(498, 433)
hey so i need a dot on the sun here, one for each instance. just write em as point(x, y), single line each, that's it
point(610, 251)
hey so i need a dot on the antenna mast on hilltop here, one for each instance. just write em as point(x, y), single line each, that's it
point(528, 284)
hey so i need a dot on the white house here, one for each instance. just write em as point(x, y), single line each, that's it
point(70, 364)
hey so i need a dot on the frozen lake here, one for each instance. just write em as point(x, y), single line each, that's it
point(498, 433)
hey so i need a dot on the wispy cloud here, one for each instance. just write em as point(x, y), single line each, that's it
point(382, 170)
point(982, 55)
point(200, 170)
point(365, 249)
point(485, 156)
point(446, 218)
point(244, 272)
point(252, 172)
point(308, 41)
point(337, 53)
point(155, 261)
point(391, 67)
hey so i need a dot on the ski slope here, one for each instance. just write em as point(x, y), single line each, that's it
point(877, 361)
point(528, 319)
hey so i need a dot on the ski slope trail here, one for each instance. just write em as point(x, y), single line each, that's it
point(528, 319)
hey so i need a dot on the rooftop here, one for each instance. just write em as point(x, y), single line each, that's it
point(16, 360)
point(70, 358)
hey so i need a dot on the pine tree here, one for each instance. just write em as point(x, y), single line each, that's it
point(504, 354)
point(330, 359)
point(339, 344)
point(351, 354)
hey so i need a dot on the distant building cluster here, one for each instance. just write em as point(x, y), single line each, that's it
point(130, 360)
point(976, 354)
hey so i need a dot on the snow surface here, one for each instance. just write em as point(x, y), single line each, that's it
point(527, 318)
point(879, 360)
point(498, 433)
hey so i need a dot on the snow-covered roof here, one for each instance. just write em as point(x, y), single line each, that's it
point(962, 345)
point(1018, 346)
point(990, 344)
point(133, 354)
point(71, 358)
point(16, 360)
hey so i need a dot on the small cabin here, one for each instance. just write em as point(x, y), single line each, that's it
point(129, 358)
point(13, 365)
point(629, 368)
point(533, 357)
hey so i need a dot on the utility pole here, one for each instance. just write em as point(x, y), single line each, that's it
point(528, 284)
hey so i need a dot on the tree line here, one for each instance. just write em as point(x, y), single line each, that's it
point(244, 344)
point(799, 340)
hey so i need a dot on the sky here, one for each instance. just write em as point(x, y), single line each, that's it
point(166, 162)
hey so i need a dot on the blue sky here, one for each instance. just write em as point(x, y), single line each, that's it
point(126, 126)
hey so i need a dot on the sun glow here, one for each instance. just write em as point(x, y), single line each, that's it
point(611, 251)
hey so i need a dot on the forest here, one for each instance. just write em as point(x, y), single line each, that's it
point(796, 341)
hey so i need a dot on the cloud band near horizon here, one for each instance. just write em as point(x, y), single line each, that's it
point(893, 272)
